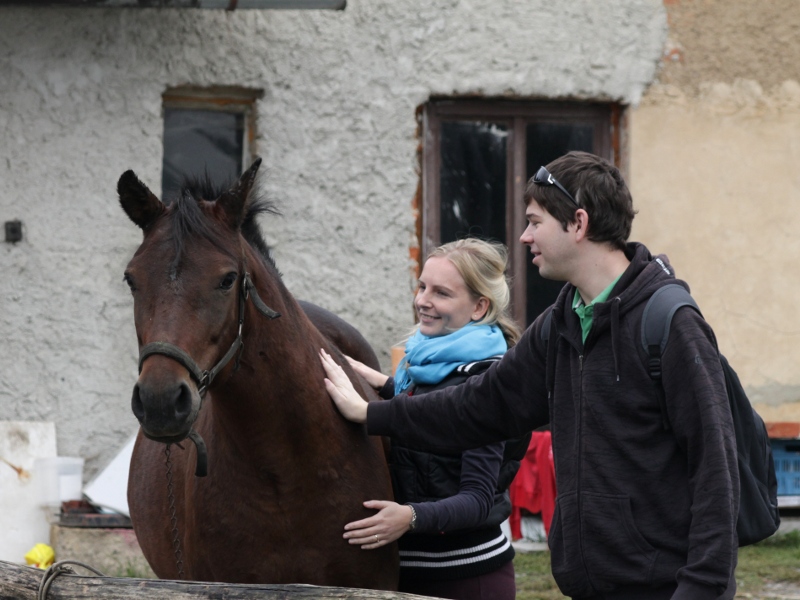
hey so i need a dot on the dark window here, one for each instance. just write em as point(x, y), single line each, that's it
point(206, 131)
point(201, 141)
point(478, 157)
point(473, 179)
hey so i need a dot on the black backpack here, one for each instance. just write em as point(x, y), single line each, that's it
point(758, 500)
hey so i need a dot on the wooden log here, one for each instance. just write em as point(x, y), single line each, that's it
point(19, 582)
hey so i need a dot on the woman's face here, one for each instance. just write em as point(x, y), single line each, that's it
point(444, 303)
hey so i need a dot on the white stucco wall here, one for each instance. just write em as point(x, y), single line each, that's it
point(80, 103)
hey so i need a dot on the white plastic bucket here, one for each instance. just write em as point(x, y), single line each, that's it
point(58, 479)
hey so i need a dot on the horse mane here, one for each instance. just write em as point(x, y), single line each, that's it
point(188, 220)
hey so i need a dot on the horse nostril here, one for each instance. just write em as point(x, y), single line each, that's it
point(183, 403)
point(136, 404)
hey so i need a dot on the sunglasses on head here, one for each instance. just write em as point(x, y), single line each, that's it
point(545, 178)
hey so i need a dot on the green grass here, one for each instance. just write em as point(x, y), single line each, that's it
point(534, 581)
point(137, 569)
point(775, 560)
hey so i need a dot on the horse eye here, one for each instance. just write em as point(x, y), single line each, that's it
point(228, 280)
point(129, 280)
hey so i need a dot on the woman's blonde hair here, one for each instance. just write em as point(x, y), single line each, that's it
point(482, 265)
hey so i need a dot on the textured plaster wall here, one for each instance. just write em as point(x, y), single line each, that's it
point(81, 103)
point(715, 148)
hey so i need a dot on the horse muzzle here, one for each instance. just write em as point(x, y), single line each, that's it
point(166, 412)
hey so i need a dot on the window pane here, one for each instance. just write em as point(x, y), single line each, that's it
point(196, 141)
point(473, 180)
point(546, 142)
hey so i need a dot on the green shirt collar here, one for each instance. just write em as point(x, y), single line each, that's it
point(585, 313)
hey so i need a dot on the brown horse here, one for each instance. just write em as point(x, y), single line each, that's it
point(228, 357)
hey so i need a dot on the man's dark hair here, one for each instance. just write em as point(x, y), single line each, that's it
point(600, 190)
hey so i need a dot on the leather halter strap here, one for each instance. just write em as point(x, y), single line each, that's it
point(203, 378)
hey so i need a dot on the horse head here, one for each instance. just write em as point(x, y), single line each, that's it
point(189, 283)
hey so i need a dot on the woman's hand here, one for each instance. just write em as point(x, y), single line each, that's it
point(375, 378)
point(352, 406)
point(391, 522)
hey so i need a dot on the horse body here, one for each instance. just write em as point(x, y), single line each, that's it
point(285, 471)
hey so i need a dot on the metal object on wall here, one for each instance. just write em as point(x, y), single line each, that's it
point(213, 4)
point(13, 231)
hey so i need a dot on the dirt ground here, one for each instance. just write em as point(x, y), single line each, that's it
point(776, 591)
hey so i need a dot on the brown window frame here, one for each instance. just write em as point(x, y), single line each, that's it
point(608, 120)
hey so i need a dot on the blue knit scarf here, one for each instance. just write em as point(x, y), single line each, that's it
point(429, 360)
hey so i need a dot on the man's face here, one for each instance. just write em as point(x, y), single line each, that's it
point(552, 248)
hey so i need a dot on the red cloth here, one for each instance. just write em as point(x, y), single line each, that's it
point(534, 487)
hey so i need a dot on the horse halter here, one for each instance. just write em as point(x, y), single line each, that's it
point(202, 377)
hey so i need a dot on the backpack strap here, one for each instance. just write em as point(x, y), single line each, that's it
point(546, 326)
point(657, 317)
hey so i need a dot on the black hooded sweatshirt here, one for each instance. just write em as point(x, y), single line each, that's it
point(639, 508)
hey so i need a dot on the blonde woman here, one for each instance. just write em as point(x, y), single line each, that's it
point(449, 508)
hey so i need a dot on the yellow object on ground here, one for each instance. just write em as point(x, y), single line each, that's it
point(41, 556)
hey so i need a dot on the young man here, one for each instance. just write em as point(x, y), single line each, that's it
point(643, 512)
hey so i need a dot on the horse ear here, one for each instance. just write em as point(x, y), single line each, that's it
point(138, 202)
point(235, 199)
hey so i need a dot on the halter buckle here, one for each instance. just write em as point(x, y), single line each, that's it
point(204, 382)
point(246, 285)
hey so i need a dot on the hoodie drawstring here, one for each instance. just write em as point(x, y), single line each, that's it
point(550, 372)
point(615, 303)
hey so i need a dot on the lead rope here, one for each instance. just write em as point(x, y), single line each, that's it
point(173, 517)
point(57, 569)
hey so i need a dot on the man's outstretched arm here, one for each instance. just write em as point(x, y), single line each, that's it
point(507, 400)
